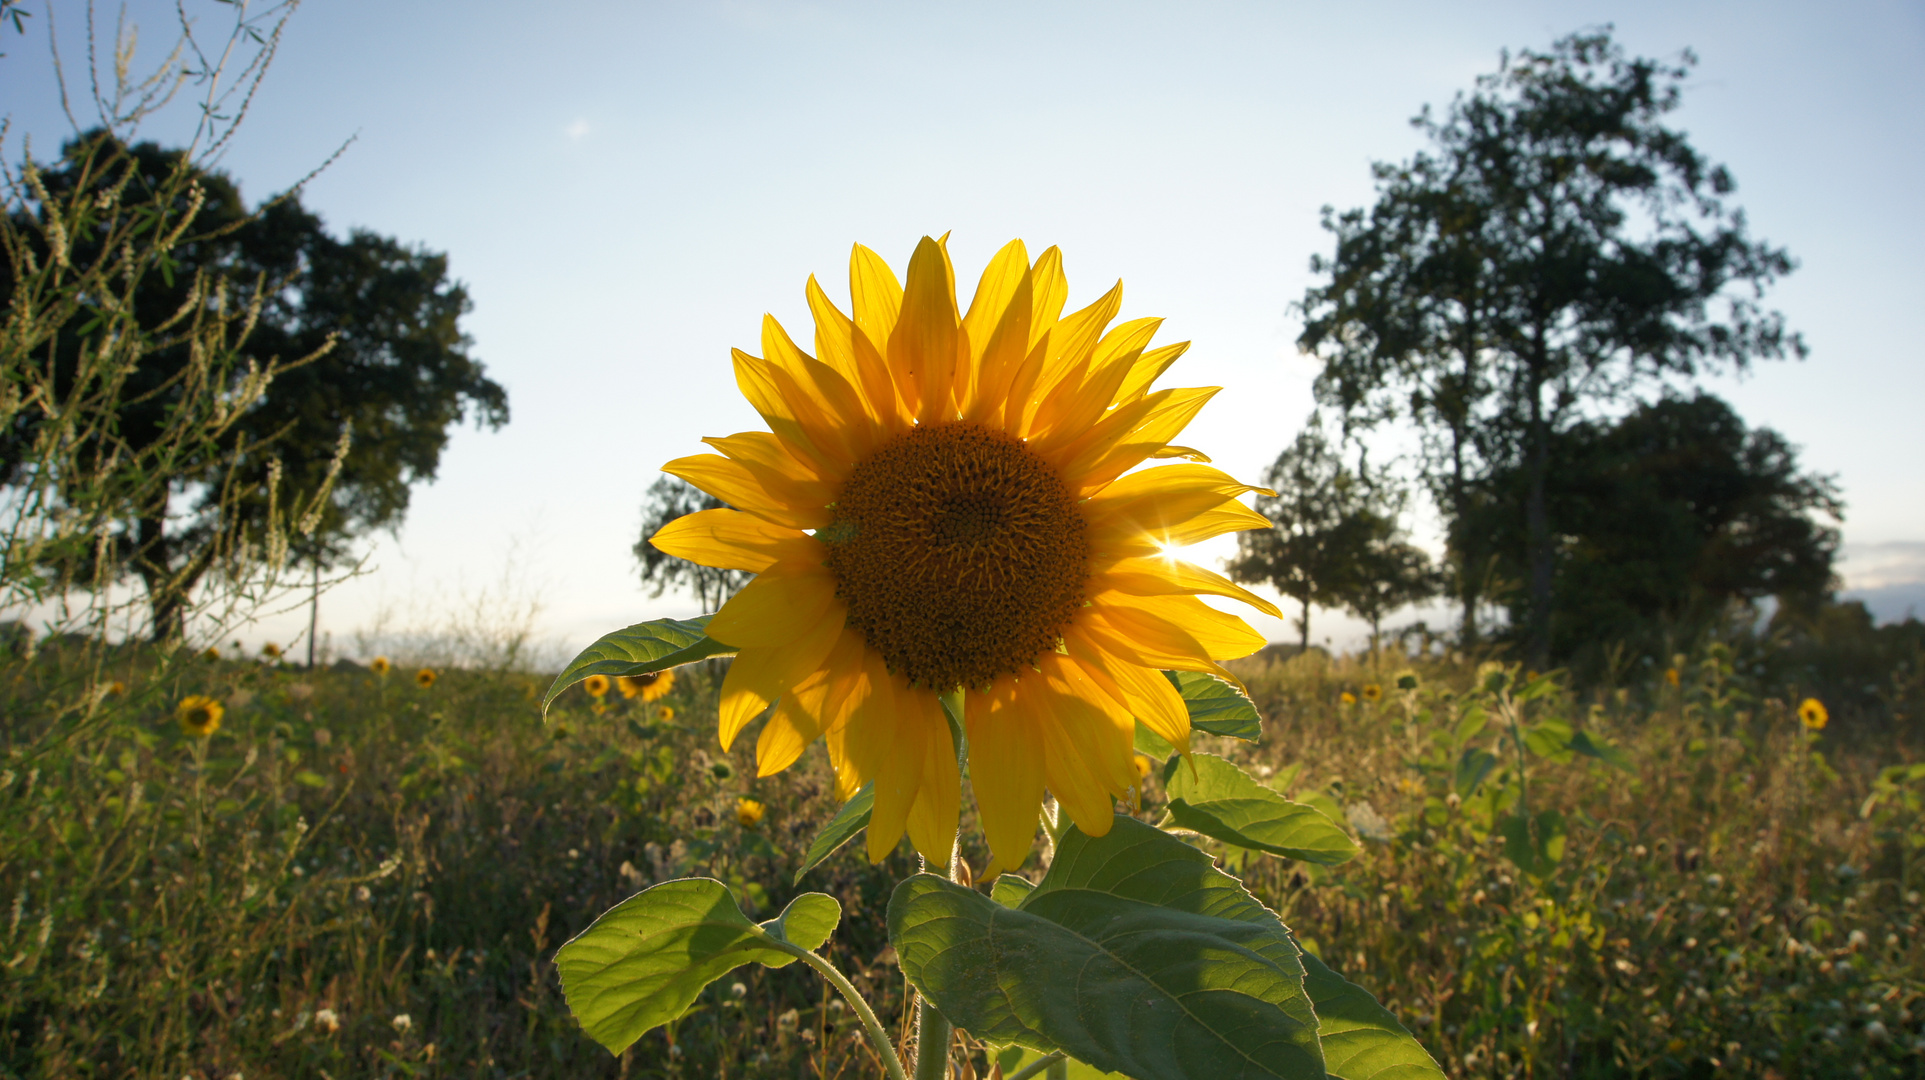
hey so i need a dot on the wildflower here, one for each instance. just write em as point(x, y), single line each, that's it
point(424, 678)
point(665, 713)
point(211, 653)
point(651, 687)
point(199, 715)
point(117, 689)
point(738, 991)
point(379, 665)
point(402, 1022)
point(271, 651)
point(596, 685)
point(749, 812)
point(327, 1020)
point(1671, 676)
point(940, 504)
point(1347, 698)
point(1143, 766)
point(1812, 714)
point(1373, 693)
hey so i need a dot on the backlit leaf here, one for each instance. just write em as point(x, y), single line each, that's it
point(1210, 795)
point(639, 650)
point(1216, 706)
point(842, 828)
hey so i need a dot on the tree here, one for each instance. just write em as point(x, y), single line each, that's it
point(1325, 514)
point(1391, 573)
point(1560, 248)
point(669, 498)
point(367, 414)
point(1667, 517)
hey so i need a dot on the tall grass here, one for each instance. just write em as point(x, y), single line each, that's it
point(357, 876)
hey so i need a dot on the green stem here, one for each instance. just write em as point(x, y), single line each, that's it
point(878, 1035)
point(1035, 1068)
point(933, 1035)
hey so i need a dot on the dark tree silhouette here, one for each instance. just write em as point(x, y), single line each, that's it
point(397, 375)
point(669, 498)
point(1558, 247)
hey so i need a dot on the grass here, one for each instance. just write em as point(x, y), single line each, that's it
point(359, 877)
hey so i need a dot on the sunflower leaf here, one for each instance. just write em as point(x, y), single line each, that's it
point(1135, 954)
point(1221, 801)
point(1361, 1039)
point(1216, 706)
point(644, 962)
point(639, 650)
point(842, 828)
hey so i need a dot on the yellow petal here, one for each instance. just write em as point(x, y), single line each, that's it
point(776, 608)
point(777, 397)
point(1147, 512)
point(1050, 290)
point(1143, 691)
point(1183, 452)
point(784, 737)
point(1080, 403)
point(734, 484)
point(921, 736)
point(1129, 434)
point(758, 677)
point(1146, 369)
point(835, 416)
point(789, 479)
point(1165, 576)
point(1086, 741)
point(1001, 358)
point(926, 341)
point(875, 304)
point(839, 345)
point(1005, 769)
point(933, 816)
point(1222, 635)
point(733, 540)
point(1148, 642)
point(1073, 342)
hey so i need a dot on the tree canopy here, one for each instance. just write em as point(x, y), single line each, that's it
point(1666, 517)
point(669, 498)
point(390, 367)
point(1558, 247)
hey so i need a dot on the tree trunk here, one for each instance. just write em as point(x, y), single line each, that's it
point(1303, 626)
point(1537, 523)
point(153, 561)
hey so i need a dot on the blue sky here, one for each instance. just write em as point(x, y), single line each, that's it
point(626, 187)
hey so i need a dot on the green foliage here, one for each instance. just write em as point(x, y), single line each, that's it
point(1216, 707)
point(643, 963)
point(1336, 542)
point(842, 828)
point(640, 650)
point(1133, 954)
point(1210, 795)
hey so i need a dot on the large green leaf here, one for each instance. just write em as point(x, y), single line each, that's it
point(1210, 795)
point(644, 961)
point(1134, 954)
point(1216, 706)
point(1361, 1039)
point(639, 650)
point(842, 828)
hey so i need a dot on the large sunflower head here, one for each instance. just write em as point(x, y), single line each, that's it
point(949, 498)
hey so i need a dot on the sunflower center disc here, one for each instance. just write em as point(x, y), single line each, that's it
point(960, 555)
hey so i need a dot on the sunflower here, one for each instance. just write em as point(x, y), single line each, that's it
point(212, 652)
point(199, 715)
point(941, 503)
point(424, 678)
point(1347, 698)
point(651, 687)
point(664, 713)
point(1812, 714)
point(271, 651)
point(748, 813)
point(379, 665)
point(596, 685)
point(1671, 676)
point(1373, 693)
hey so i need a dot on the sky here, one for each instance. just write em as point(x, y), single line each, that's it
point(625, 188)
